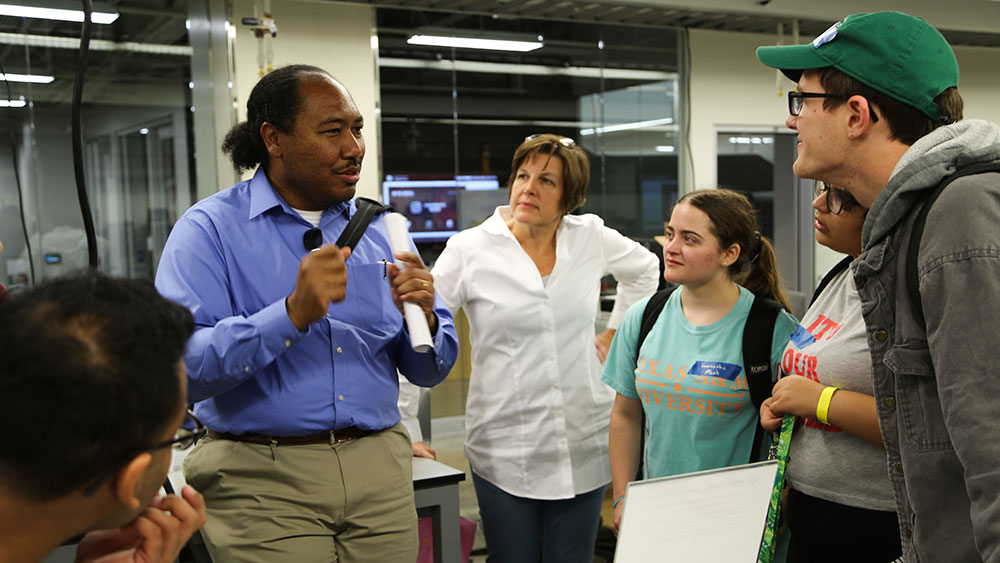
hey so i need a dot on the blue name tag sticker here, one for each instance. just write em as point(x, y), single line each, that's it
point(802, 338)
point(715, 369)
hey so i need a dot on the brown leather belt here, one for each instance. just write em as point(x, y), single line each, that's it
point(324, 437)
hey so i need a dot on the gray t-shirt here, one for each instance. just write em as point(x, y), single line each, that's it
point(830, 346)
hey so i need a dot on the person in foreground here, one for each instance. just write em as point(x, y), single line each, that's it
point(529, 280)
point(92, 391)
point(3, 288)
point(293, 364)
point(878, 112)
point(837, 465)
point(688, 378)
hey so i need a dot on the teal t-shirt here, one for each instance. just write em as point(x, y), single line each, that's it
point(691, 384)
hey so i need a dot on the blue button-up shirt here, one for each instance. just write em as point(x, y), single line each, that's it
point(232, 259)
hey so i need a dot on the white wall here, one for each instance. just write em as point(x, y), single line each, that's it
point(335, 37)
point(730, 88)
point(979, 81)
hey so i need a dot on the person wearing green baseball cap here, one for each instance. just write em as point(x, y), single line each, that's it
point(877, 111)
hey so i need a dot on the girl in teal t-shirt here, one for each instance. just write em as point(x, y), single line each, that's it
point(688, 377)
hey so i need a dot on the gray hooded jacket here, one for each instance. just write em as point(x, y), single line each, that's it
point(937, 391)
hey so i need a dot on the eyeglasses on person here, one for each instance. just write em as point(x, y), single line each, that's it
point(564, 141)
point(837, 199)
point(797, 99)
point(189, 432)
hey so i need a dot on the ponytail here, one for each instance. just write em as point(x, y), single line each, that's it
point(275, 99)
point(241, 147)
point(763, 278)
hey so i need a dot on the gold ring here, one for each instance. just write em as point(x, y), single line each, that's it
point(426, 285)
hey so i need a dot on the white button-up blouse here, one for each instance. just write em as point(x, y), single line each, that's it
point(537, 413)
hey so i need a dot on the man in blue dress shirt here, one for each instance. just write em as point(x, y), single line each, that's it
point(293, 362)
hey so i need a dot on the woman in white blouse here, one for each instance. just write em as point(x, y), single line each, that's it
point(537, 413)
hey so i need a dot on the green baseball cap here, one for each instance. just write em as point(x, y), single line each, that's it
point(899, 55)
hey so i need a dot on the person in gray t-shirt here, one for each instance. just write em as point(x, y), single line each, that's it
point(839, 483)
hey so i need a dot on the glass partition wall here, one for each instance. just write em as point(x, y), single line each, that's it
point(450, 114)
point(137, 123)
point(451, 111)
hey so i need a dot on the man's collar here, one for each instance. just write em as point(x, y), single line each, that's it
point(263, 197)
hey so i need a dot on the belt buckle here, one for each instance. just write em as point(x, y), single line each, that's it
point(334, 440)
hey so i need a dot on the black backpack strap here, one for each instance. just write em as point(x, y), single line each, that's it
point(367, 210)
point(828, 277)
point(649, 315)
point(913, 251)
point(757, 334)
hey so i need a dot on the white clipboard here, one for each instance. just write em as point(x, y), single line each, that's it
point(714, 515)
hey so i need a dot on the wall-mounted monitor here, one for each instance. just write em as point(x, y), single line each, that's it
point(431, 202)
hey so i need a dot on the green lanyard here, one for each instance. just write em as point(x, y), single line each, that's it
point(779, 451)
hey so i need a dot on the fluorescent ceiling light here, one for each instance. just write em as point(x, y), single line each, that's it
point(474, 43)
point(521, 69)
point(55, 14)
point(627, 126)
point(53, 42)
point(33, 78)
point(12, 104)
point(664, 148)
point(751, 140)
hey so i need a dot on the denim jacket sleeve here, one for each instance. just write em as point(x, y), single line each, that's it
point(959, 271)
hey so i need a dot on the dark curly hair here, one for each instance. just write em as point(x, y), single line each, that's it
point(89, 378)
point(275, 99)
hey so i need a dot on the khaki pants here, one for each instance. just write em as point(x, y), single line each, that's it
point(348, 502)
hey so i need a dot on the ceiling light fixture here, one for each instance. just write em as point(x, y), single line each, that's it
point(474, 43)
point(627, 126)
point(33, 78)
point(12, 104)
point(55, 14)
point(520, 69)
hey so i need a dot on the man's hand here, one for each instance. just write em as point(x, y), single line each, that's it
point(322, 280)
point(413, 285)
point(155, 536)
point(422, 449)
point(603, 343)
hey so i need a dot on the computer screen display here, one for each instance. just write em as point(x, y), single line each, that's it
point(431, 202)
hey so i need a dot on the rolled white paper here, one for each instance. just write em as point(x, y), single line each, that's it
point(416, 322)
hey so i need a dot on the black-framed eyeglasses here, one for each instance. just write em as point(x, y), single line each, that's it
point(189, 432)
point(564, 141)
point(312, 239)
point(837, 199)
point(797, 99)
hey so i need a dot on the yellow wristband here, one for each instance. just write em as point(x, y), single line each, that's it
point(823, 406)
